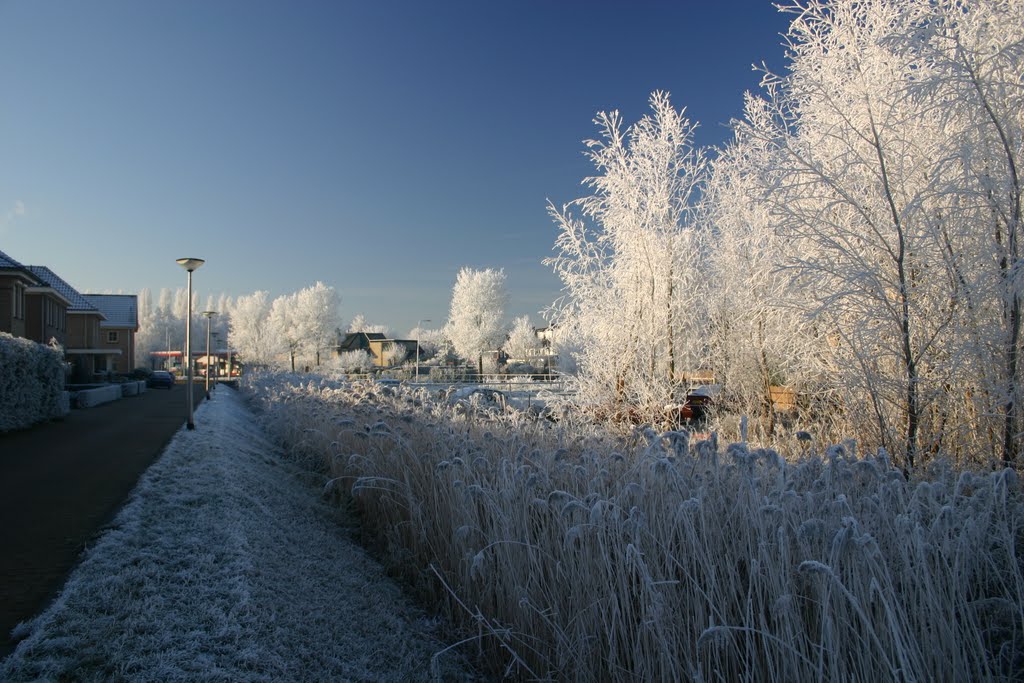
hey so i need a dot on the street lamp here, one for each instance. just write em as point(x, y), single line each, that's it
point(216, 365)
point(189, 264)
point(418, 323)
point(209, 316)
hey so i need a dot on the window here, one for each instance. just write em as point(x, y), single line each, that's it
point(112, 337)
point(19, 300)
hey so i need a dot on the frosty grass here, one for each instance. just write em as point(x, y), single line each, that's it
point(226, 565)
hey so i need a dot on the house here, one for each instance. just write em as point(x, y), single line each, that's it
point(378, 346)
point(117, 331)
point(14, 282)
point(384, 357)
point(358, 341)
point(46, 315)
point(82, 347)
point(546, 335)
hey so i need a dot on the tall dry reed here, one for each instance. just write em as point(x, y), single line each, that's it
point(572, 554)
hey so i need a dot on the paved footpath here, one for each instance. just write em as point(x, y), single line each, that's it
point(62, 481)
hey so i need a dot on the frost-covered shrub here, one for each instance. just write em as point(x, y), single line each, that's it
point(31, 382)
point(582, 556)
point(353, 361)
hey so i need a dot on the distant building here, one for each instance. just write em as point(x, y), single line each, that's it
point(359, 341)
point(377, 346)
point(117, 330)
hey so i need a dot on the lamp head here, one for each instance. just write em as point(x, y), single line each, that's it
point(209, 314)
point(190, 264)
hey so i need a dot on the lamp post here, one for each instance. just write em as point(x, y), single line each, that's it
point(216, 365)
point(209, 316)
point(418, 323)
point(189, 264)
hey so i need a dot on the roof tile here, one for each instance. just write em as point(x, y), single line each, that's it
point(121, 310)
point(78, 302)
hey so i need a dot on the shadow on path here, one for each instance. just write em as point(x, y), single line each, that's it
point(61, 482)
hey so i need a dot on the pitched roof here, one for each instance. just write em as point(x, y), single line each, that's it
point(79, 304)
point(121, 310)
point(355, 341)
point(7, 262)
point(10, 267)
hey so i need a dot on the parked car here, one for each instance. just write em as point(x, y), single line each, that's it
point(161, 378)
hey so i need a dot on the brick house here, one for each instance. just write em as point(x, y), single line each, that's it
point(15, 280)
point(46, 315)
point(117, 330)
point(83, 348)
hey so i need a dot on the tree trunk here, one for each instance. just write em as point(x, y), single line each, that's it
point(909, 360)
point(766, 378)
point(1008, 264)
point(671, 334)
point(1011, 409)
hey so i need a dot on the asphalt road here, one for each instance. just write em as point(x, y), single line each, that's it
point(61, 482)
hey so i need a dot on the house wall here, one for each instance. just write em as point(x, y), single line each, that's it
point(125, 343)
point(378, 350)
point(12, 306)
point(83, 331)
point(45, 319)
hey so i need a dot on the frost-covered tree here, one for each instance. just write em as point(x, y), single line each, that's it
point(430, 341)
point(970, 57)
point(316, 315)
point(290, 334)
point(249, 331)
point(395, 353)
point(886, 158)
point(522, 340)
point(222, 322)
point(628, 256)
point(849, 174)
point(359, 324)
point(476, 320)
point(148, 338)
point(758, 337)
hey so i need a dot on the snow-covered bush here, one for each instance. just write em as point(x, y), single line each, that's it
point(395, 353)
point(31, 382)
point(578, 555)
point(353, 361)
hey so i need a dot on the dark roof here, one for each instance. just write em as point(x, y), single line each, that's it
point(11, 267)
point(6, 262)
point(359, 341)
point(120, 310)
point(79, 304)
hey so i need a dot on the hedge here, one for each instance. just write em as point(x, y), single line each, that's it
point(31, 382)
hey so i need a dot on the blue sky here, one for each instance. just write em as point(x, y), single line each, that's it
point(376, 146)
